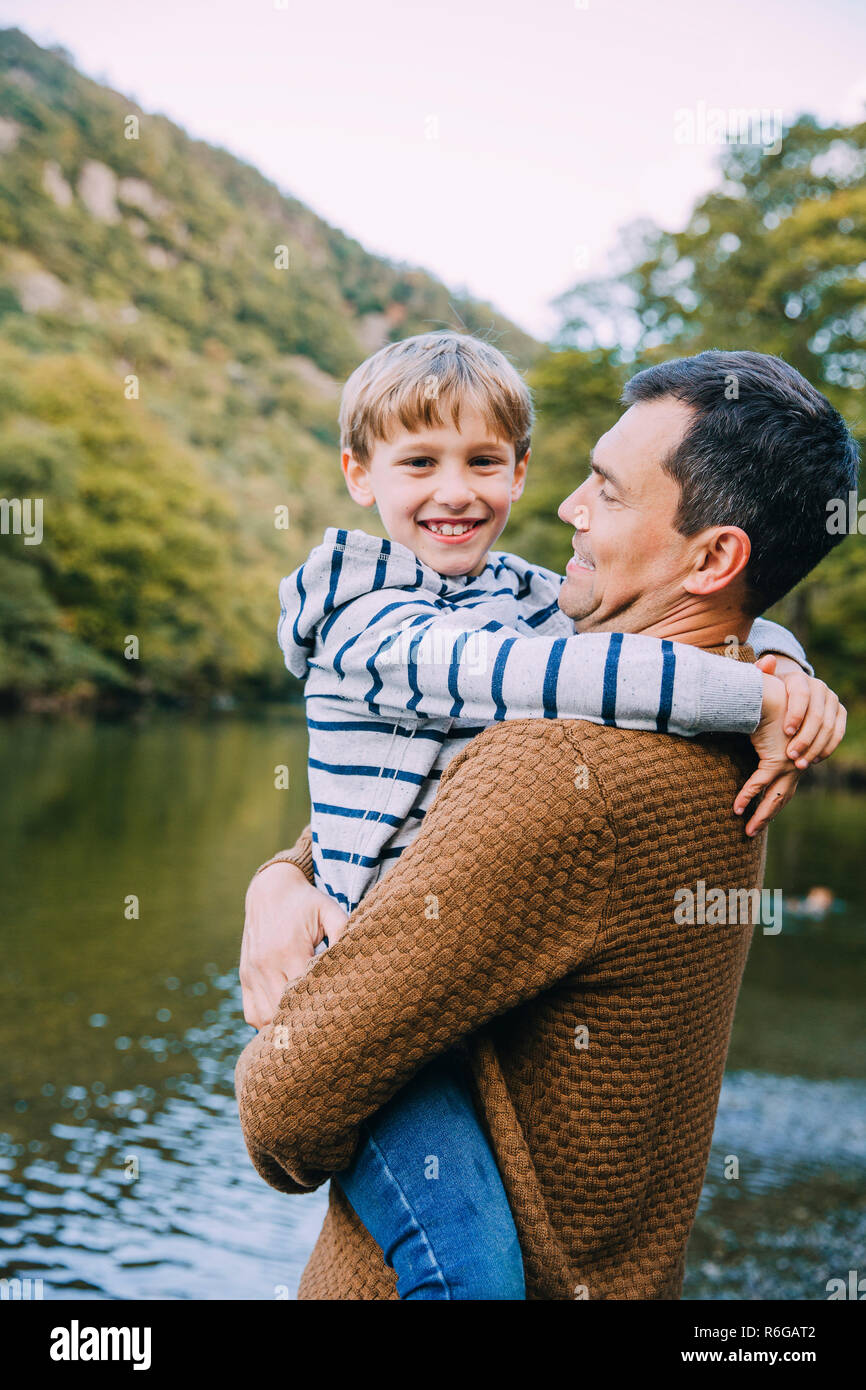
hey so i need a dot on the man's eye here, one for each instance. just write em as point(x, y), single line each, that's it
point(418, 463)
point(486, 462)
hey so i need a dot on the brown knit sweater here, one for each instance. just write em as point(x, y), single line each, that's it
point(532, 922)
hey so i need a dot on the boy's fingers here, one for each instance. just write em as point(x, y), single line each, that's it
point(798, 702)
point(819, 746)
point(749, 790)
point(837, 735)
point(766, 809)
point(777, 795)
point(812, 723)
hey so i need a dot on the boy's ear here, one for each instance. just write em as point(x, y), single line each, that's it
point(519, 479)
point(357, 480)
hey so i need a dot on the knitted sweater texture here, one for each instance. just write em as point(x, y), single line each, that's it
point(531, 927)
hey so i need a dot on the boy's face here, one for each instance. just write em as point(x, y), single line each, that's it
point(443, 491)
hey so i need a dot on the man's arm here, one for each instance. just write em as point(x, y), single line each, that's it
point(300, 854)
point(485, 909)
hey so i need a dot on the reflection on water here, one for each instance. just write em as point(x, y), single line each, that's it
point(122, 1170)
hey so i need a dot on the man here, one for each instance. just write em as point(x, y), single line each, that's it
point(531, 930)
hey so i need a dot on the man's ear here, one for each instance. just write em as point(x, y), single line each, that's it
point(721, 554)
point(357, 477)
point(519, 480)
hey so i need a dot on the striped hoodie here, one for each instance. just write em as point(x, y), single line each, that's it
point(404, 666)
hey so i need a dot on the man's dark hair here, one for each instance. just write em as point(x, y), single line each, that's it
point(765, 452)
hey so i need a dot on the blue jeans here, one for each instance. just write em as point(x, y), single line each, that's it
point(425, 1184)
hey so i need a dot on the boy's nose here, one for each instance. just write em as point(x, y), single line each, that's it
point(455, 495)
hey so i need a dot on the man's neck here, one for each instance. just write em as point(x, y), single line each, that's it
point(696, 624)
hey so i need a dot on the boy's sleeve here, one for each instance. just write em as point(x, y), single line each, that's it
point(767, 638)
point(464, 927)
point(397, 656)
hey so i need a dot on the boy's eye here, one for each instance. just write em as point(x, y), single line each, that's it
point(481, 462)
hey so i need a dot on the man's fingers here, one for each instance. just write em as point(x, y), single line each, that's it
point(263, 985)
point(333, 920)
point(262, 1001)
point(255, 1009)
point(255, 1000)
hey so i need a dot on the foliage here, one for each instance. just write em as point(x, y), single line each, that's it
point(773, 259)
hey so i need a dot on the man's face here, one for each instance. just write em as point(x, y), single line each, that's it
point(629, 559)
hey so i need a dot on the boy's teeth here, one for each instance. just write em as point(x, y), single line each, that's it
point(447, 528)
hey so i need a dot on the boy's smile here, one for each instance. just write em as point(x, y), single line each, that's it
point(450, 531)
point(445, 491)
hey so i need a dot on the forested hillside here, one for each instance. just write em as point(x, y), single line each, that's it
point(174, 332)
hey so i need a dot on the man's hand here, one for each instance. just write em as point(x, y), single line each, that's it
point(286, 918)
point(794, 704)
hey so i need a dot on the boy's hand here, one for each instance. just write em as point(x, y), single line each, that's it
point(286, 918)
point(797, 704)
point(814, 712)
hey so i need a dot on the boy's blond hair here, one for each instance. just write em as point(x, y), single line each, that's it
point(413, 382)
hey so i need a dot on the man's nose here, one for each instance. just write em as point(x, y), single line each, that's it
point(574, 511)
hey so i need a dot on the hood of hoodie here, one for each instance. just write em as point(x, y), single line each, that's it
point(347, 565)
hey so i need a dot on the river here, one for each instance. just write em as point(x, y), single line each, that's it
point(123, 1173)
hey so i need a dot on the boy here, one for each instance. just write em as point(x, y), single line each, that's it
point(411, 646)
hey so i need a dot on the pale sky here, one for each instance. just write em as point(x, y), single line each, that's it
point(499, 145)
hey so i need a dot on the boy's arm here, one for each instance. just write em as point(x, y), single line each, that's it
point(395, 656)
point(771, 639)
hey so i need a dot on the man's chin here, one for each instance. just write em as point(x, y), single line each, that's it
point(576, 600)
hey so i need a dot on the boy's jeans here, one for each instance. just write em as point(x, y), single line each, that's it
point(425, 1184)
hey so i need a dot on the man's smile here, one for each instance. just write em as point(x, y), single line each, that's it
point(579, 562)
